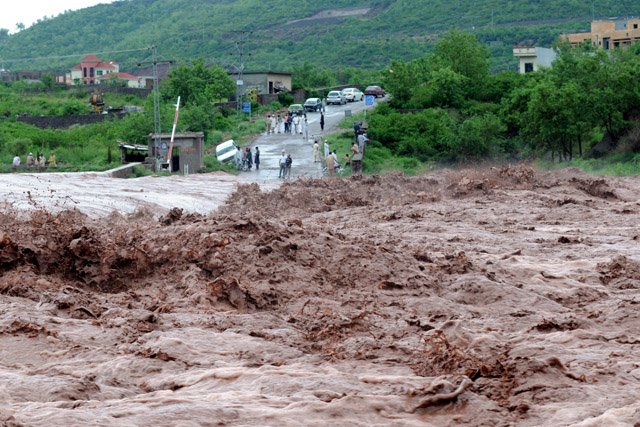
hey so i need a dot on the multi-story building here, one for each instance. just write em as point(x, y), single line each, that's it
point(608, 34)
point(533, 58)
point(91, 67)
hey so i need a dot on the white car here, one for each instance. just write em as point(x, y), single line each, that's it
point(353, 94)
point(336, 97)
point(226, 152)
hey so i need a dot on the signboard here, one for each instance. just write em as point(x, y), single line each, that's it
point(246, 107)
point(239, 82)
point(368, 100)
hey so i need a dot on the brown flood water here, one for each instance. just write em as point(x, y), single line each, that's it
point(482, 298)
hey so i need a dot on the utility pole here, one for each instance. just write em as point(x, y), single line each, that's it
point(238, 66)
point(157, 129)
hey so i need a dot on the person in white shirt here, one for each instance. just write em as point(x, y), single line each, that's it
point(326, 149)
point(296, 123)
point(283, 165)
point(16, 160)
point(274, 124)
point(305, 129)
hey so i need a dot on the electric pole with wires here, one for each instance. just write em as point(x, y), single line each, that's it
point(157, 129)
point(238, 66)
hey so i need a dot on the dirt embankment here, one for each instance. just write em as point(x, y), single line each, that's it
point(494, 297)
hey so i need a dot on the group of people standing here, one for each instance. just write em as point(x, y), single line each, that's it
point(285, 163)
point(249, 157)
point(37, 161)
point(292, 123)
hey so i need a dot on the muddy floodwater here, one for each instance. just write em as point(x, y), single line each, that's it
point(501, 297)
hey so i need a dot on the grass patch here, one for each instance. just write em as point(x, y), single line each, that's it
point(615, 165)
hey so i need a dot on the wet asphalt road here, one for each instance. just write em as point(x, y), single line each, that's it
point(271, 146)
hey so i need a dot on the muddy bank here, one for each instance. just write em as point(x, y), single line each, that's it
point(495, 297)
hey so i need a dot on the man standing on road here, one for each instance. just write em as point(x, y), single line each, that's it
point(274, 123)
point(257, 158)
point(288, 163)
point(316, 152)
point(326, 149)
point(321, 122)
point(283, 165)
point(296, 124)
point(268, 124)
point(305, 129)
point(330, 164)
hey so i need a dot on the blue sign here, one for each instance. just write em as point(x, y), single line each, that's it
point(246, 105)
point(247, 110)
point(368, 100)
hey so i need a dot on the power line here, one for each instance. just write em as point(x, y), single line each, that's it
point(72, 56)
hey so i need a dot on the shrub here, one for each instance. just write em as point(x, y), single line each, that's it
point(285, 98)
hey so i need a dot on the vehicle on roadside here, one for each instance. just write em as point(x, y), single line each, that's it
point(313, 104)
point(336, 97)
point(353, 94)
point(374, 90)
point(226, 152)
point(296, 109)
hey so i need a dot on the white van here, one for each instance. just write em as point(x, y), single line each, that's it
point(226, 152)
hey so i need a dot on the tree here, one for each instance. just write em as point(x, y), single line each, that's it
point(198, 85)
point(47, 80)
point(402, 78)
point(20, 26)
point(462, 53)
point(4, 34)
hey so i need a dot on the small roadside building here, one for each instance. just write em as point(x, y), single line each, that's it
point(265, 82)
point(187, 156)
point(533, 58)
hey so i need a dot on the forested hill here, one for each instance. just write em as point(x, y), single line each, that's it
point(285, 33)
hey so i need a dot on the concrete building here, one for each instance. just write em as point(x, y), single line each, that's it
point(608, 34)
point(91, 67)
point(533, 58)
point(265, 82)
point(131, 80)
point(187, 156)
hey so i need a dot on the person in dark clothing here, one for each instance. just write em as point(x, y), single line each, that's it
point(356, 129)
point(257, 158)
point(288, 163)
point(321, 122)
point(249, 158)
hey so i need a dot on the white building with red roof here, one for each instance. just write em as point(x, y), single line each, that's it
point(91, 68)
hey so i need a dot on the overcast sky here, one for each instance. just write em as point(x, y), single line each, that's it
point(29, 11)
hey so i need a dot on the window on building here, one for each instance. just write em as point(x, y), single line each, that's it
point(91, 82)
point(91, 72)
point(528, 67)
point(99, 73)
point(85, 72)
point(635, 26)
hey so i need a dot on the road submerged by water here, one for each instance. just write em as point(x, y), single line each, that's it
point(475, 297)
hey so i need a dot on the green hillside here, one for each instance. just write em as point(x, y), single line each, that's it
point(328, 34)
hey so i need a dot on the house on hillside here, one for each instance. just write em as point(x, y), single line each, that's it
point(609, 34)
point(146, 74)
point(90, 68)
point(533, 58)
point(131, 80)
point(265, 82)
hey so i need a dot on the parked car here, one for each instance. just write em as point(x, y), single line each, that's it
point(353, 94)
point(336, 97)
point(374, 90)
point(296, 109)
point(226, 152)
point(313, 104)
